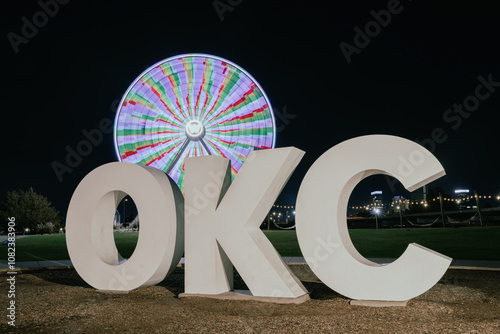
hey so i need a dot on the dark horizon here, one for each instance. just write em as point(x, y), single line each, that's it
point(334, 84)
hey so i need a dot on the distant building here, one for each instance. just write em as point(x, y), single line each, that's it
point(376, 199)
point(117, 219)
point(462, 198)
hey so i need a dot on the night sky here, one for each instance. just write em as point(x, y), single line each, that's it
point(67, 77)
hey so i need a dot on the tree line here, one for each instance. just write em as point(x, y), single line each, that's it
point(34, 213)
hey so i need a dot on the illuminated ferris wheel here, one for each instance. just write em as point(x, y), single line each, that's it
point(192, 105)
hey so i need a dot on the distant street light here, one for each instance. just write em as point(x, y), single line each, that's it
point(124, 216)
point(400, 207)
point(377, 211)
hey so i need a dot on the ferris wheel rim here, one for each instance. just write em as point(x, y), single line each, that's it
point(184, 55)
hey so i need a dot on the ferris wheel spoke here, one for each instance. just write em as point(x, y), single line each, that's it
point(205, 146)
point(178, 155)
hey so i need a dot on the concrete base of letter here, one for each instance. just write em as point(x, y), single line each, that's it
point(247, 295)
point(378, 303)
point(113, 292)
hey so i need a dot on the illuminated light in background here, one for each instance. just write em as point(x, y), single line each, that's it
point(192, 105)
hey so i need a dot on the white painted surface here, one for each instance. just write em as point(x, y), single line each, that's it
point(222, 224)
point(89, 226)
point(321, 223)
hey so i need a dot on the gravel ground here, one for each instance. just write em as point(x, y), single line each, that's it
point(59, 301)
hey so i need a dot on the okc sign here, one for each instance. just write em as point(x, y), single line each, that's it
point(216, 224)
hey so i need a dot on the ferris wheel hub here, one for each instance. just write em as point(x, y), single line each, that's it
point(195, 130)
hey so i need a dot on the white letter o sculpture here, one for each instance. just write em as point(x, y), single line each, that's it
point(89, 230)
point(321, 213)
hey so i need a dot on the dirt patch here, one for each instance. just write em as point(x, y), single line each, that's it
point(59, 301)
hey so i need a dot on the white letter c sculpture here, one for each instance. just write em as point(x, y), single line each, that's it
point(89, 230)
point(321, 213)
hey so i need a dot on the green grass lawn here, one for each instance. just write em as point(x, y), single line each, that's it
point(471, 243)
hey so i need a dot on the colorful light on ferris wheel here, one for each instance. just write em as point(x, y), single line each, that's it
point(192, 105)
